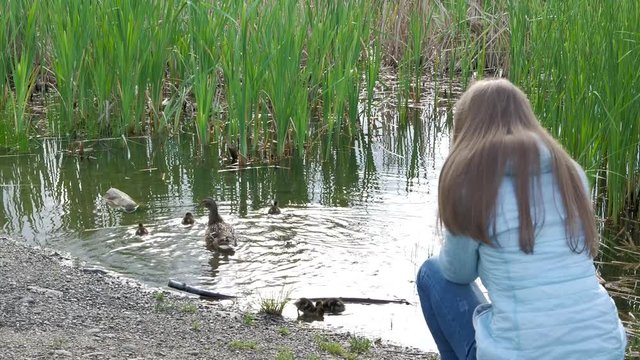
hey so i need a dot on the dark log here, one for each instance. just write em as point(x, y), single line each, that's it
point(366, 301)
point(203, 293)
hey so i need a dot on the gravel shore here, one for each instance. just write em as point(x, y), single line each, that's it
point(53, 306)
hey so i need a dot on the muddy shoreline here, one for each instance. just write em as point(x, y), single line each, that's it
point(55, 306)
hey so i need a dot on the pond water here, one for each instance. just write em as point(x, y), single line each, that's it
point(356, 223)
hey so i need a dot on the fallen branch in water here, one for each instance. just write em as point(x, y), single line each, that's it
point(253, 167)
point(366, 301)
point(194, 290)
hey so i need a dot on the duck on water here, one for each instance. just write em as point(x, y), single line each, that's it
point(219, 236)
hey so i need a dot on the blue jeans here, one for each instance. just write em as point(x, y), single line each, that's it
point(448, 309)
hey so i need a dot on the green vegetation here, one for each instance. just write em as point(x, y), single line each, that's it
point(257, 72)
point(275, 304)
point(196, 325)
point(162, 303)
point(273, 77)
point(58, 343)
point(334, 348)
point(285, 353)
point(159, 296)
point(248, 318)
point(243, 345)
point(284, 331)
point(359, 345)
point(188, 308)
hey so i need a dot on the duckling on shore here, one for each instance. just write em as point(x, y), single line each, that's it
point(332, 305)
point(141, 230)
point(274, 209)
point(219, 235)
point(188, 219)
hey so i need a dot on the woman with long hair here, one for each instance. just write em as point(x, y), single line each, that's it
point(516, 213)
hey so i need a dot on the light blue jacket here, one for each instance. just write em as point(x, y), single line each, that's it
point(546, 305)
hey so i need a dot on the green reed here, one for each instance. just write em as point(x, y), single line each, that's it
point(206, 27)
point(22, 53)
point(584, 88)
point(163, 35)
point(69, 41)
point(258, 71)
point(282, 37)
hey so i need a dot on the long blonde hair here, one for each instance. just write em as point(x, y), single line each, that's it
point(494, 125)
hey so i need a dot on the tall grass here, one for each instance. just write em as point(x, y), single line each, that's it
point(20, 57)
point(258, 71)
point(578, 61)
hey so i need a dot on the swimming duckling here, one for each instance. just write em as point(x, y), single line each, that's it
point(219, 235)
point(305, 305)
point(188, 219)
point(141, 230)
point(309, 311)
point(274, 209)
point(332, 305)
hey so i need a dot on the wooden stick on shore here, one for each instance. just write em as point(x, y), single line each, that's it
point(366, 301)
point(194, 290)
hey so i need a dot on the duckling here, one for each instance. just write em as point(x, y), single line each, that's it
point(332, 305)
point(274, 209)
point(141, 230)
point(188, 219)
point(310, 312)
point(305, 305)
point(219, 235)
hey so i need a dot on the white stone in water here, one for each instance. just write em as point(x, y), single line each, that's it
point(119, 199)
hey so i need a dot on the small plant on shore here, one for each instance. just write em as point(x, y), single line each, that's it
point(58, 343)
point(275, 304)
point(162, 304)
point(196, 325)
point(314, 357)
point(359, 345)
point(159, 296)
point(248, 318)
point(332, 347)
point(243, 345)
point(284, 331)
point(285, 354)
point(188, 308)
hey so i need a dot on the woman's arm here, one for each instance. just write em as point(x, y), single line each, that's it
point(459, 258)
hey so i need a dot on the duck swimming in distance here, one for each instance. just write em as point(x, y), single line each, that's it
point(188, 219)
point(141, 230)
point(274, 209)
point(219, 235)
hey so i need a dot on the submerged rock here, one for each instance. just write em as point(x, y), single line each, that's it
point(120, 200)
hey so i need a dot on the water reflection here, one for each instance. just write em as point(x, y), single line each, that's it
point(357, 219)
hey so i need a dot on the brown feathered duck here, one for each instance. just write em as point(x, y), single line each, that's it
point(219, 235)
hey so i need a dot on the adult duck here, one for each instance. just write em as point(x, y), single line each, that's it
point(219, 235)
